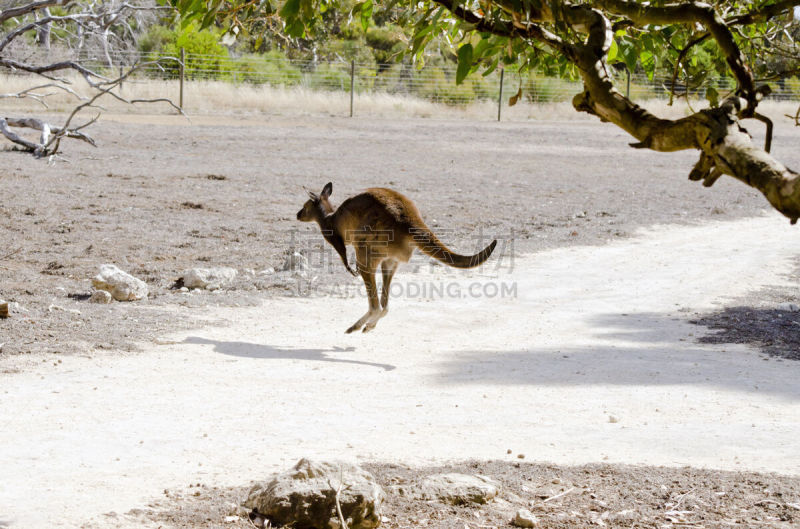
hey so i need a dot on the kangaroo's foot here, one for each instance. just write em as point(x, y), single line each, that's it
point(373, 321)
point(370, 318)
point(360, 323)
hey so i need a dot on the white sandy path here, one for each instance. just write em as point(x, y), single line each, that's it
point(594, 332)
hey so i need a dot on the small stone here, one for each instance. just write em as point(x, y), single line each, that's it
point(789, 307)
point(231, 519)
point(508, 451)
point(121, 285)
point(520, 456)
point(208, 278)
point(524, 518)
point(612, 419)
point(267, 271)
point(4, 310)
point(457, 489)
point(101, 296)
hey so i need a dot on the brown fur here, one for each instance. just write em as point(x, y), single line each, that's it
point(384, 227)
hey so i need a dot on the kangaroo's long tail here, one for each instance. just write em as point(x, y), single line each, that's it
point(432, 246)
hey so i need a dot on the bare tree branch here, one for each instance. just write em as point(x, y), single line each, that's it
point(54, 67)
point(19, 11)
point(94, 19)
point(30, 94)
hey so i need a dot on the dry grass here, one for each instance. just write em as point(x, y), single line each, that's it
point(220, 98)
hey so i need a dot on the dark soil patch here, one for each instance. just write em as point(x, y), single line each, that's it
point(757, 320)
point(775, 332)
point(612, 496)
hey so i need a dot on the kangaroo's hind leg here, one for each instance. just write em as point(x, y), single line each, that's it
point(388, 268)
point(367, 269)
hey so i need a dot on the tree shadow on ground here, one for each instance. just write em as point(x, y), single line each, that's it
point(270, 352)
point(774, 332)
point(630, 350)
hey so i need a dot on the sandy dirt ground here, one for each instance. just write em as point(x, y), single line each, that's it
point(584, 341)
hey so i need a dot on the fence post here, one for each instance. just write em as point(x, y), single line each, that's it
point(352, 84)
point(183, 71)
point(628, 86)
point(500, 97)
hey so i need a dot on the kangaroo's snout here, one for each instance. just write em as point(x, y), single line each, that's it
point(299, 215)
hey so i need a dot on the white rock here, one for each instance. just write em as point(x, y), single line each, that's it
point(267, 271)
point(209, 278)
point(525, 518)
point(59, 308)
point(100, 296)
point(121, 285)
point(295, 262)
point(305, 496)
point(791, 307)
point(456, 489)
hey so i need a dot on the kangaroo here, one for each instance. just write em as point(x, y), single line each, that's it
point(384, 227)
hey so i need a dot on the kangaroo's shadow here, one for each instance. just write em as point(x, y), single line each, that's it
point(269, 352)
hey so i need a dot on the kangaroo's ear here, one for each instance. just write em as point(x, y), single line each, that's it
point(327, 190)
point(313, 195)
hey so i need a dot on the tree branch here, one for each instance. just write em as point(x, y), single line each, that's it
point(6, 14)
point(527, 31)
point(679, 61)
point(54, 67)
point(694, 12)
point(763, 14)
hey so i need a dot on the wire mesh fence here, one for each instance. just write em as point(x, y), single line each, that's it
point(433, 82)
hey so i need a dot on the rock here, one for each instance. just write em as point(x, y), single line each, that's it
point(790, 307)
point(100, 296)
point(457, 489)
point(121, 285)
point(209, 278)
point(4, 311)
point(306, 496)
point(524, 518)
point(58, 308)
point(295, 262)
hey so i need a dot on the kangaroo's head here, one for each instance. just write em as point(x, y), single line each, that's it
point(317, 206)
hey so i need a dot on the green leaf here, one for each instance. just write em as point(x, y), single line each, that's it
point(648, 61)
point(492, 67)
point(366, 14)
point(295, 28)
point(612, 51)
point(290, 10)
point(464, 62)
